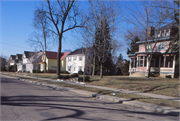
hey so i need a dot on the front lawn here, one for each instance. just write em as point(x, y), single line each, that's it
point(156, 85)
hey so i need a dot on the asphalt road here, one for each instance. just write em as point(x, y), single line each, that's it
point(25, 101)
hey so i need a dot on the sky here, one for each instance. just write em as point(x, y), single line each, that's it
point(16, 27)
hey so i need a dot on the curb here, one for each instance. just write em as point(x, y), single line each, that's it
point(151, 107)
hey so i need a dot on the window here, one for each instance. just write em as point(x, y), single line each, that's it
point(74, 68)
point(148, 47)
point(69, 58)
point(162, 33)
point(152, 62)
point(80, 68)
point(69, 68)
point(161, 46)
point(145, 61)
point(132, 62)
point(80, 58)
point(168, 62)
point(53, 66)
point(141, 61)
point(74, 58)
point(167, 32)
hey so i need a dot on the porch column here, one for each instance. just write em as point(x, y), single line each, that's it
point(164, 61)
point(130, 66)
point(137, 63)
point(174, 62)
point(159, 64)
point(147, 64)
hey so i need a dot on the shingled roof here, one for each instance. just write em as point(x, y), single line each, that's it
point(28, 54)
point(53, 55)
point(19, 56)
point(80, 51)
point(13, 57)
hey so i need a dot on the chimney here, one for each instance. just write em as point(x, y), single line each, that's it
point(150, 31)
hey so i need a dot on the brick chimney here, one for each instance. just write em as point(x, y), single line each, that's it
point(150, 31)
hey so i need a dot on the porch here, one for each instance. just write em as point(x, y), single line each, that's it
point(160, 63)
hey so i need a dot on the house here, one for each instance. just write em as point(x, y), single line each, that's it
point(161, 62)
point(12, 60)
point(80, 59)
point(19, 62)
point(50, 59)
point(33, 62)
point(25, 58)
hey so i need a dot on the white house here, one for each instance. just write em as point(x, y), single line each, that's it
point(25, 57)
point(19, 62)
point(33, 62)
point(80, 59)
point(12, 60)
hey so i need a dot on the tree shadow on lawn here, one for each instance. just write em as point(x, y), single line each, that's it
point(161, 87)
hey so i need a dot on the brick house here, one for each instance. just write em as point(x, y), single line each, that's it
point(161, 62)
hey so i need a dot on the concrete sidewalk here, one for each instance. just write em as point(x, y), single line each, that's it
point(147, 106)
point(115, 89)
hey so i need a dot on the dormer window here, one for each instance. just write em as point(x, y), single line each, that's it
point(162, 34)
point(161, 46)
point(167, 32)
point(148, 47)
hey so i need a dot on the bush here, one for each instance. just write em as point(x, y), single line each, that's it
point(66, 76)
point(86, 79)
point(168, 76)
point(60, 77)
point(34, 71)
point(80, 72)
point(74, 75)
point(64, 72)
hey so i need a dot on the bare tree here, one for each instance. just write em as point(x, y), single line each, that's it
point(144, 16)
point(100, 13)
point(62, 16)
point(40, 36)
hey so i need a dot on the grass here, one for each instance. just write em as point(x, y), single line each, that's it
point(154, 85)
point(162, 86)
point(146, 99)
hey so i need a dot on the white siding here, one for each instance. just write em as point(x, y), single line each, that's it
point(72, 66)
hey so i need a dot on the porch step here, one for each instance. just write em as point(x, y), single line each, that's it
point(136, 74)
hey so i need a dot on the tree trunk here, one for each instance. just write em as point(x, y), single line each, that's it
point(45, 63)
point(59, 57)
point(94, 62)
point(101, 72)
point(45, 56)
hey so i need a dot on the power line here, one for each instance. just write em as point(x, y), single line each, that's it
point(15, 45)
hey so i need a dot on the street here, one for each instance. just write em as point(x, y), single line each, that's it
point(25, 101)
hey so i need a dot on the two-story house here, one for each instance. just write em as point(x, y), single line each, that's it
point(12, 60)
point(19, 62)
point(25, 58)
point(161, 62)
point(80, 59)
point(33, 62)
point(50, 59)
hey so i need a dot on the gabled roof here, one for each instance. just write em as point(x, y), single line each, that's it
point(80, 51)
point(35, 57)
point(13, 57)
point(19, 56)
point(53, 55)
point(28, 54)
